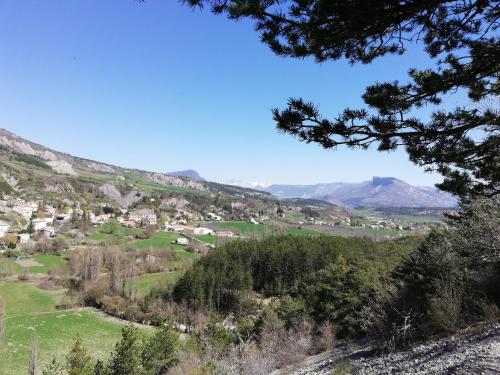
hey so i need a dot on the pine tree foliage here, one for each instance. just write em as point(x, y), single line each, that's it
point(160, 351)
point(79, 362)
point(460, 36)
point(333, 275)
point(126, 359)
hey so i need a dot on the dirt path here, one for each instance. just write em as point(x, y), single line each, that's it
point(114, 319)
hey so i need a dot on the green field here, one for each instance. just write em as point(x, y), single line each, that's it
point(302, 232)
point(9, 265)
point(377, 232)
point(163, 240)
point(258, 231)
point(207, 238)
point(48, 263)
point(148, 281)
point(113, 231)
point(32, 312)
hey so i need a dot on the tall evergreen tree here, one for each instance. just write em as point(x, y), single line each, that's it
point(126, 359)
point(160, 351)
point(79, 362)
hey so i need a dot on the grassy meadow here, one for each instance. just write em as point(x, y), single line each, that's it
point(47, 263)
point(31, 313)
point(145, 283)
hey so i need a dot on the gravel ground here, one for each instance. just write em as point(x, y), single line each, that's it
point(467, 354)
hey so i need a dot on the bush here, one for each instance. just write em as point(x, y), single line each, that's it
point(94, 292)
point(10, 240)
point(32, 161)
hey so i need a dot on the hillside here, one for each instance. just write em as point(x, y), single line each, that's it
point(33, 170)
point(380, 192)
point(467, 353)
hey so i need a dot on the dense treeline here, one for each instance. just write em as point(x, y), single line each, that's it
point(332, 276)
point(450, 281)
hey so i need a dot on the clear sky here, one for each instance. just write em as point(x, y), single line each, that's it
point(161, 87)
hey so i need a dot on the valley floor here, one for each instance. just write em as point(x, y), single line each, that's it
point(468, 353)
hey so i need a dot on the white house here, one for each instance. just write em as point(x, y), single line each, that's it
point(174, 228)
point(49, 218)
point(24, 210)
point(23, 238)
point(182, 241)
point(4, 228)
point(39, 224)
point(203, 231)
point(213, 216)
point(49, 232)
point(225, 233)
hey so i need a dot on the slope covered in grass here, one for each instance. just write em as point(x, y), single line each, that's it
point(32, 312)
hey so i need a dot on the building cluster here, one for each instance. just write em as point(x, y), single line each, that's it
point(38, 217)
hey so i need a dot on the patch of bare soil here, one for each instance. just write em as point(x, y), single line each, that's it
point(27, 263)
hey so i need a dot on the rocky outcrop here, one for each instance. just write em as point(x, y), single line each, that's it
point(11, 180)
point(62, 166)
point(98, 167)
point(21, 146)
point(174, 203)
point(163, 179)
point(116, 196)
point(467, 353)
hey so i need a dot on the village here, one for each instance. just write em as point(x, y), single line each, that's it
point(26, 220)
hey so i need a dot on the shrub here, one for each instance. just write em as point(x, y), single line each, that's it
point(24, 275)
point(32, 161)
point(10, 240)
point(94, 292)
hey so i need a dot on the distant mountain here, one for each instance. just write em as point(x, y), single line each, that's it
point(189, 173)
point(380, 192)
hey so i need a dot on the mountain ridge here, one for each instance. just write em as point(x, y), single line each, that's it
point(380, 192)
point(188, 173)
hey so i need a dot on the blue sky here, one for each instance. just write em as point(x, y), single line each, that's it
point(161, 87)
